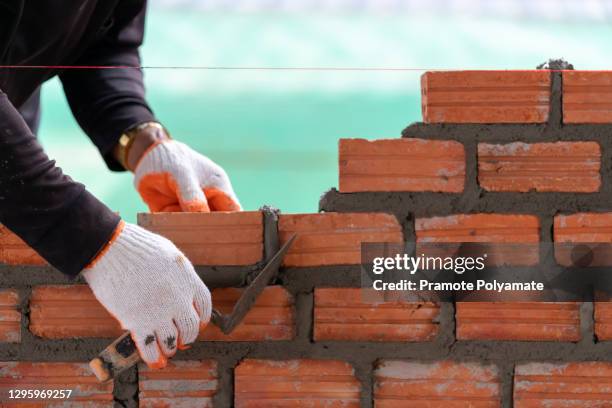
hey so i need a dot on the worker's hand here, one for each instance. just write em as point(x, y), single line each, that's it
point(151, 288)
point(171, 176)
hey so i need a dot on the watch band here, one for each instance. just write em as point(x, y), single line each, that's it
point(127, 139)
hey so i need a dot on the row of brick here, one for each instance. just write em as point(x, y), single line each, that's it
point(340, 314)
point(71, 311)
point(335, 238)
point(412, 164)
point(328, 383)
point(514, 97)
point(237, 238)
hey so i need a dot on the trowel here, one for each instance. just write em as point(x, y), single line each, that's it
point(122, 354)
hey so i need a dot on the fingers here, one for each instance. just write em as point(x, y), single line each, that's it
point(157, 346)
point(217, 187)
point(167, 338)
point(190, 195)
point(162, 193)
point(188, 326)
point(202, 302)
point(220, 201)
point(157, 193)
point(148, 348)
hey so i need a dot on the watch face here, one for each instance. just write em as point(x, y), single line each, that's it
point(123, 140)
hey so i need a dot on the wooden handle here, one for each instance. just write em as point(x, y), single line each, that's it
point(120, 355)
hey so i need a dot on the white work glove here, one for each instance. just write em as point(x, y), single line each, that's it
point(172, 177)
point(151, 288)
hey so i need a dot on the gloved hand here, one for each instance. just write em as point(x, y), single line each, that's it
point(170, 176)
point(151, 288)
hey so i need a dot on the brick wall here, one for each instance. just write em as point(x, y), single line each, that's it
point(501, 156)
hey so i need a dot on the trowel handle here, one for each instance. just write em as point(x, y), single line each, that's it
point(120, 355)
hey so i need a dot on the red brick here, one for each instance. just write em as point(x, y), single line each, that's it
point(583, 227)
point(485, 96)
point(67, 311)
point(271, 317)
point(567, 385)
point(560, 166)
point(529, 321)
point(444, 384)
point(86, 390)
point(401, 165)
point(10, 316)
point(603, 320)
point(585, 230)
point(344, 314)
point(217, 238)
point(13, 251)
point(502, 229)
point(587, 97)
point(180, 384)
point(295, 383)
point(335, 238)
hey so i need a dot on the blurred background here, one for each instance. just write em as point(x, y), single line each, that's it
point(276, 131)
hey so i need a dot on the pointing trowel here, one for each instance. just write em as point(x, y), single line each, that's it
point(122, 354)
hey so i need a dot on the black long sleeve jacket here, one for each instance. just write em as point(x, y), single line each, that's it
point(55, 215)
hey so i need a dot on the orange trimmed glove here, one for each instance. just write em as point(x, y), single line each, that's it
point(172, 177)
point(152, 289)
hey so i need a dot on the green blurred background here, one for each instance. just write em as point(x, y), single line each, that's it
point(276, 131)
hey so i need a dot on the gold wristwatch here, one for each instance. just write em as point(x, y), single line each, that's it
point(127, 139)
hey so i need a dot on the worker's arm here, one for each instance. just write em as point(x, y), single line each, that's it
point(107, 103)
point(140, 277)
point(56, 216)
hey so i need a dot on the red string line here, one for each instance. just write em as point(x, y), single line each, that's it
point(233, 68)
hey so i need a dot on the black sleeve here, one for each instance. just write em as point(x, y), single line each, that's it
point(56, 216)
point(106, 102)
